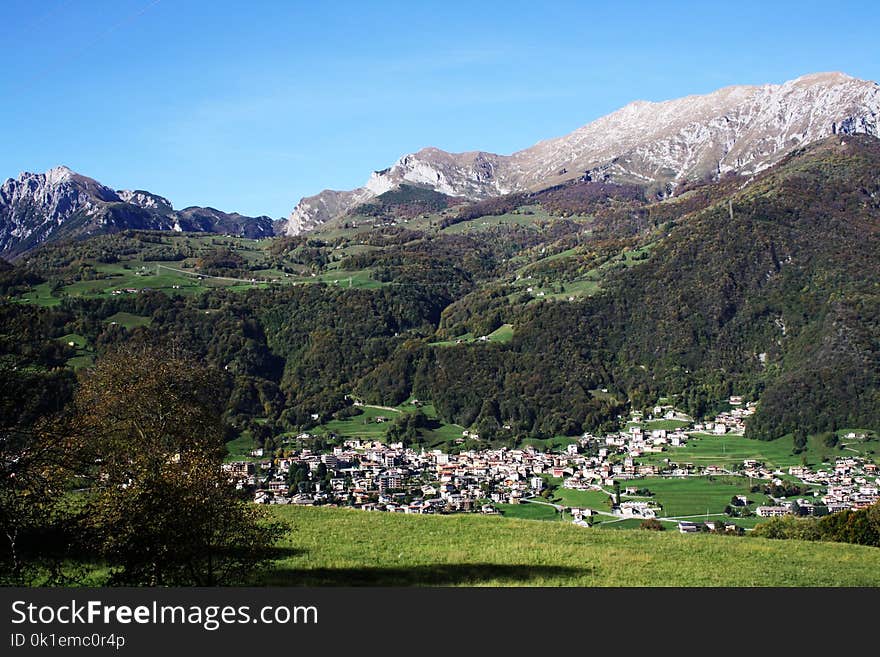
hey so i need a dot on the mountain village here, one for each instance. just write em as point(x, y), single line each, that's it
point(374, 476)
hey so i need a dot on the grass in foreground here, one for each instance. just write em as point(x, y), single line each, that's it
point(341, 547)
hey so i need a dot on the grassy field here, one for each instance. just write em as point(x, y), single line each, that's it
point(727, 450)
point(556, 443)
point(240, 448)
point(632, 523)
point(502, 334)
point(679, 497)
point(669, 425)
point(84, 353)
point(347, 279)
point(491, 221)
point(693, 496)
point(528, 511)
point(74, 340)
point(79, 362)
point(590, 283)
point(657, 425)
point(582, 287)
point(366, 426)
point(341, 547)
point(591, 499)
point(128, 320)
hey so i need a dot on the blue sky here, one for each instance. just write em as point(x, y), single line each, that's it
point(247, 106)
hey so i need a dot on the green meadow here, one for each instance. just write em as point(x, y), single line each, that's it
point(240, 448)
point(531, 216)
point(591, 499)
point(694, 496)
point(343, 547)
point(128, 320)
point(728, 450)
point(373, 422)
point(502, 334)
point(546, 444)
point(528, 511)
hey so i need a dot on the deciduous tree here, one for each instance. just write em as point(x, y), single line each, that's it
point(161, 509)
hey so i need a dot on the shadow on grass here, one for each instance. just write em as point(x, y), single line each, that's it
point(427, 575)
point(276, 553)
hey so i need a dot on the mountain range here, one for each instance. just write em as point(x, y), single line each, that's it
point(41, 207)
point(658, 147)
point(742, 129)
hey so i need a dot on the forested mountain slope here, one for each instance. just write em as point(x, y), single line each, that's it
point(533, 314)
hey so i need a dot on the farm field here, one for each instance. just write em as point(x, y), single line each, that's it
point(728, 450)
point(694, 496)
point(341, 547)
point(528, 511)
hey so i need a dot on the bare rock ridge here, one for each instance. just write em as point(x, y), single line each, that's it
point(40, 207)
point(741, 128)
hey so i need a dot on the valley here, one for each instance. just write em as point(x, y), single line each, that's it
point(594, 348)
point(381, 338)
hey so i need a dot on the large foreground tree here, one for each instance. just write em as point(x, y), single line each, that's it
point(161, 510)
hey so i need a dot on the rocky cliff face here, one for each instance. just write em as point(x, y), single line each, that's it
point(38, 207)
point(742, 128)
point(34, 205)
point(146, 200)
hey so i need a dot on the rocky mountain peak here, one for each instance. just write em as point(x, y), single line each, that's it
point(60, 203)
point(56, 175)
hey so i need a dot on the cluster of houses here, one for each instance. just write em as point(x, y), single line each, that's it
point(732, 421)
point(851, 484)
point(689, 527)
point(376, 476)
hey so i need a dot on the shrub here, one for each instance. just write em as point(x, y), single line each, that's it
point(652, 524)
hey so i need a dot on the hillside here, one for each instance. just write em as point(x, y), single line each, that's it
point(754, 287)
point(520, 321)
point(513, 314)
point(764, 291)
point(466, 550)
